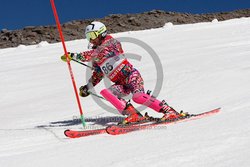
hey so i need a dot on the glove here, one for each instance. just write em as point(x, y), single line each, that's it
point(71, 56)
point(84, 91)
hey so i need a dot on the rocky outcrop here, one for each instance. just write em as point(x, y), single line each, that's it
point(115, 23)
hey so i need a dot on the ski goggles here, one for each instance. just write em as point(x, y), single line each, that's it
point(92, 35)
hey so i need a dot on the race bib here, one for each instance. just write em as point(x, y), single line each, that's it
point(113, 65)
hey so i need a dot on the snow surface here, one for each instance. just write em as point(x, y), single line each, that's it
point(206, 65)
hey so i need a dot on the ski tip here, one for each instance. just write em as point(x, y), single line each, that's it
point(111, 130)
point(217, 109)
point(107, 129)
point(65, 132)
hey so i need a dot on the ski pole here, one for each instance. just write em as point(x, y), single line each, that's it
point(97, 95)
point(82, 64)
point(90, 91)
point(67, 58)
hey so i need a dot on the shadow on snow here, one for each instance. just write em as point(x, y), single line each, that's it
point(103, 121)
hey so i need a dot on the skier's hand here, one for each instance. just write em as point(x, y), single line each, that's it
point(70, 55)
point(84, 91)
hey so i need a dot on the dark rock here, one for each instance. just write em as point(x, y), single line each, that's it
point(29, 27)
point(115, 16)
point(4, 38)
point(39, 30)
point(30, 34)
point(134, 21)
point(4, 30)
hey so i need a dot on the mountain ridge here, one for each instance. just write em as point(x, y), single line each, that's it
point(73, 30)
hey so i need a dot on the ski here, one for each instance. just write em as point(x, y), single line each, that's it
point(123, 129)
point(83, 133)
point(77, 133)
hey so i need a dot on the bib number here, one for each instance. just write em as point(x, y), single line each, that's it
point(111, 64)
point(107, 68)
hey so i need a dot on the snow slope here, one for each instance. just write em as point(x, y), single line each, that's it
point(206, 65)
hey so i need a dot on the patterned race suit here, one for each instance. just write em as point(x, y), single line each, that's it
point(108, 59)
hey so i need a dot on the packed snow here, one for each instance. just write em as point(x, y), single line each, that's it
point(205, 66)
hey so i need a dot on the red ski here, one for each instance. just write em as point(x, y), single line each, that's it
point(118, 129)
point(83, 133)
point(77, 134)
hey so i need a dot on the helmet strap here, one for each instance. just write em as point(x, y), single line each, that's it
point(104, 34)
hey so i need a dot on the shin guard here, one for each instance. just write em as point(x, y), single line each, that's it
point(117, 103)
point(147, 100)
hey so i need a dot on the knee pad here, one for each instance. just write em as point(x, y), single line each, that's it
point(147, 100)
point(117, 103)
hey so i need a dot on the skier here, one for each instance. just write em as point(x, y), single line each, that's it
point(108, 59)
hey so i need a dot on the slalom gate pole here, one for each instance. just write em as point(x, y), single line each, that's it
point(68, 60)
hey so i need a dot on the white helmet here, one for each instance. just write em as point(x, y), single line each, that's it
point(93, 30)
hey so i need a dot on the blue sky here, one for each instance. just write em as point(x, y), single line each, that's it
point(16, 14)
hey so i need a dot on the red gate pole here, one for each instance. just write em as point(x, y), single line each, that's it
point(68, 61)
